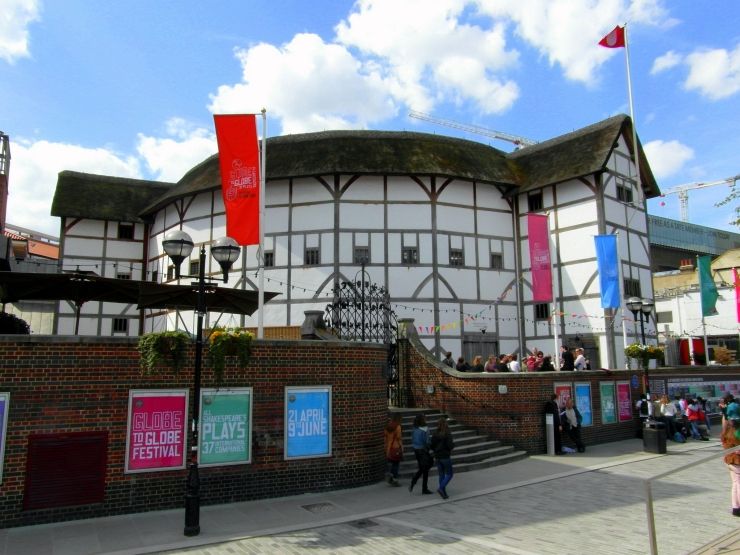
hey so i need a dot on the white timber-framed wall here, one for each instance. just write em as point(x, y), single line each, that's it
point(469, 287)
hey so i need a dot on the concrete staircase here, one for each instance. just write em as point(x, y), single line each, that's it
point(472, 451)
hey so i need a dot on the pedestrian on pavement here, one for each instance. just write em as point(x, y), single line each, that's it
point(697, 418)
point(668, 416)
point(393, 448)
point(571, 420)
point(442, 446)
point(447, 360)
point(551, 407)
point(731, 438)
point(420, 442)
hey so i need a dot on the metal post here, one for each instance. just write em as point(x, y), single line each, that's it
point(192, 488)
point(650, 518)
point(362, 298)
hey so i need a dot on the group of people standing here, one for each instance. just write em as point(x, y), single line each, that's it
point(427, 448)
point(566, 419)
point(537, 361)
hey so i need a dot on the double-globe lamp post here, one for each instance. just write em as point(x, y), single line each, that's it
point(643, 307)
point(178, 245)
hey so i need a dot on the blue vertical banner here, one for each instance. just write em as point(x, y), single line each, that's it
point(4, 404)
point(583, 403)
point(307, 422)
point(607, 259)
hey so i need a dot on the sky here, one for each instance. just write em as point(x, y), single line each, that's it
point(129, 88)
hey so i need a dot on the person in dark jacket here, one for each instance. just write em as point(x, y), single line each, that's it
point(442, 446)
point(546, 365)
point(570, 420)
point(477, 364)
point(424, 460)
point(447, 360)
point(551, 407)
point(461, 365)
point(567, 362)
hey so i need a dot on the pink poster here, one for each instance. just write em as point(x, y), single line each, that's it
point(624, 401)
point(157, 429)
point(539, 256)
point(563, 391)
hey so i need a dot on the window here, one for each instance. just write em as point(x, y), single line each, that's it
point(170, 272)
point(361, 255)
point(497, 261)
point(457, 258)
point(664, 317)
point(194, 268)
point(123, 275)
point(542, 311)
point(312, 256)
point(125, 231)
point(120, 325)
point(624, 194)
point(632, 288)
point(269, 259)
point(535, 202)
point(409, 255)
point(155, 276)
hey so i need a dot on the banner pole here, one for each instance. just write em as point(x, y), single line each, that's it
point(555, 312)
point(640, 196)
point(622, 302)
point(261, 249)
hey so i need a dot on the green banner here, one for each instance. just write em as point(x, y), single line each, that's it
point(708, 288)
point(608, 408)
point(225, 427)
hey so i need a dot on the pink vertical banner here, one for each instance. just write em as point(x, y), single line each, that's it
point(539, 257)
point(624, 401)
point(736, 275)
point(157, 429)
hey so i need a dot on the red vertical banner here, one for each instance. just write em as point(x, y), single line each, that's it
point(239, 156)
point(539, 257)
point(737, 291)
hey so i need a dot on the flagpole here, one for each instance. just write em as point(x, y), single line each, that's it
point(632, 116)
point(555, 322)
point(622, 302)
point(261, 249)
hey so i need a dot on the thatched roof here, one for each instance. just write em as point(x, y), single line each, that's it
point(101, 197)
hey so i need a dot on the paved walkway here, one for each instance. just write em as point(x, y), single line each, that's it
point(591, 503)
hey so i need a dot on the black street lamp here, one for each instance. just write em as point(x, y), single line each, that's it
point(643, 307)
point(178, 245)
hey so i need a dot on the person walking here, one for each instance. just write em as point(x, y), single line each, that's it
point(420, 442)
point(571, 422)
point(393, 448)
point(442, 446)
point(731, 438)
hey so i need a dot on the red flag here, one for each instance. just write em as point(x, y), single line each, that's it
point(539, 256)
point(737, 291)
point(615, 39)
point(238, 156)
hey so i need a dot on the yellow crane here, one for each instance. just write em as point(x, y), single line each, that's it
point(683, 192)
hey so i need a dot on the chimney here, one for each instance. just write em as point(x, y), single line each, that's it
point(687, 265)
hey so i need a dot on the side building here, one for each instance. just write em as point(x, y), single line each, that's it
point(440, 222)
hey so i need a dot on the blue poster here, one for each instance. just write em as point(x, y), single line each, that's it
point(307, 422)
point(607, 260)
point(583, 402)
point(4, 402)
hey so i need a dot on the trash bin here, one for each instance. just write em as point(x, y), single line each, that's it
point(653, 437)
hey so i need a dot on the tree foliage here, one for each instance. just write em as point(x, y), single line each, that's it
point(11, 324)
point(734, 195)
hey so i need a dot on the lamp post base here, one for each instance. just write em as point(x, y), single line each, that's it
point(192, 503)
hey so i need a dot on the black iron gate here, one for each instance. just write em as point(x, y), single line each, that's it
point(361, 311)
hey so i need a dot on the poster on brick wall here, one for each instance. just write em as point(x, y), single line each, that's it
point(307, 422)
point(225, 426)
point(4, 405)
point(563, 391)
point(157, 430)
point(583, 403)
point(624, 401)
point(608, 406)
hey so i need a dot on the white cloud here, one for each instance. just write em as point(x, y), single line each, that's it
point(667, 158)
point(666, 61)
point(15, 17)
point(714, 73)
point(169, 158)
point(309, 85)
point(33, 177)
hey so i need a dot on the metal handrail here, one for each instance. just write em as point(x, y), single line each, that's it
point(649, 491)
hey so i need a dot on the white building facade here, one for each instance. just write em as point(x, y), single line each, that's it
point(441, 223)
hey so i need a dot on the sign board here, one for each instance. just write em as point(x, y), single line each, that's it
point(608, 405)
point(563, 391)
point(624, 401)
point(307, 422)
point(225, 427)
point(583, 403)
point(157, 430)
point(4, 406)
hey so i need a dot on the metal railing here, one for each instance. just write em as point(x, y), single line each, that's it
point(648, 483)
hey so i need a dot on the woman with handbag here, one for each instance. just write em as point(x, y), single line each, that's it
point(731, 438)
point(424, 460)
point(393, 448)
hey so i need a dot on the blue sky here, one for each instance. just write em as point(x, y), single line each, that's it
point(128, 88)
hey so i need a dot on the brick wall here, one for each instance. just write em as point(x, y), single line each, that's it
point(75, 384)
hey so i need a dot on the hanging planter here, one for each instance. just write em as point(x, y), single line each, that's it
point(159, 348)
point(648, 356)
point(223, 342)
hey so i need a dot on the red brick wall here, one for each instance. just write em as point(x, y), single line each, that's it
point(61, 384)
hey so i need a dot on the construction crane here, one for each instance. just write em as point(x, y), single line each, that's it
point(518, 141)
point(683, 192)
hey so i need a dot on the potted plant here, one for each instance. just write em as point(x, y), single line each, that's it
point(160, 347)
point(223, 342)
point(639, 352)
